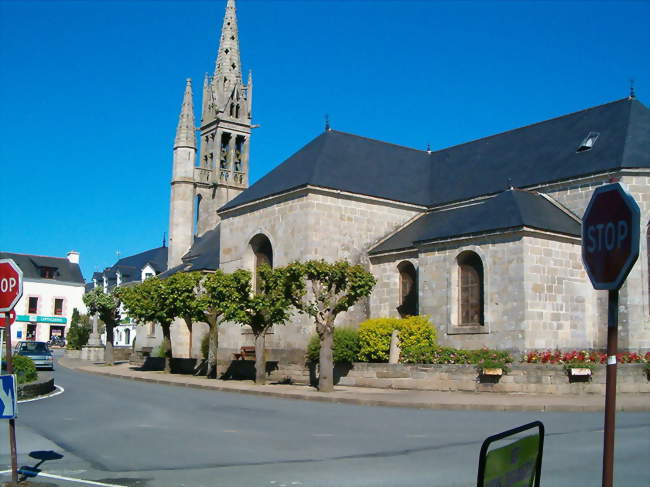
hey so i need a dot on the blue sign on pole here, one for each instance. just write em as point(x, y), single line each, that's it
point(8, 396)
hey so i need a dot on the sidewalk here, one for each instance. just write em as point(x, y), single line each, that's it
point(374, 397)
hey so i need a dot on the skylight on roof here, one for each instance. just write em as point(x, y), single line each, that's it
point(588, 142)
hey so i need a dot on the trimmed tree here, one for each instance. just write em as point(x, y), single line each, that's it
point(220, 299)
point(79, 331)
point(183, 290)
point(151, 301)
point(107, 305)
point(332, 289)
point(270, 306)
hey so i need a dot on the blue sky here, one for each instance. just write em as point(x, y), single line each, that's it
point(91, 91)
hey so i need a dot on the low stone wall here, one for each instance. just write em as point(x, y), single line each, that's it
point(96, 354)
point(523, 378)
point(36, 388)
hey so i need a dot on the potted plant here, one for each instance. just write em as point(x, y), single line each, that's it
point(492, 367)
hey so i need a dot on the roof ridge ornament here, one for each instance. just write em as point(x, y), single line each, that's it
point(327, 123)
point(632, 93)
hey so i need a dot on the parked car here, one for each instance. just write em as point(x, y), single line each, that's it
point(39, 352)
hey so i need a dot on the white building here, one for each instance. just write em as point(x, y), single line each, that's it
point(129, 270)
point(52, 288)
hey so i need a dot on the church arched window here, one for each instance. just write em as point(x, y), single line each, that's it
point(470, 289)
point(263, 254)
point(197, 213)
point(408, 292)
point(232, 109)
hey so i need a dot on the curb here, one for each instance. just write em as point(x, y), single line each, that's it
point(454, 406)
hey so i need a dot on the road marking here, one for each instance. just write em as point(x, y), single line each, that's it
point(230, 431)
point(60, 390)
point(322, 435)
point(416, 436)
point(69, 479)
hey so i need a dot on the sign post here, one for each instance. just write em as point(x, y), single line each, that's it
point(610, 247)
point(11, 290)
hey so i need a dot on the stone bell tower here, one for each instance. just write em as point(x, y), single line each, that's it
point(200, 188)
point(222, 171)
point(181, 207)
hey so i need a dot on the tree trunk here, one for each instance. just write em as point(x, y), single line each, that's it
point(167, 343)
point(326, 361)
point(109, 358)
point(188, 322)
point(213, 346)
point(260, 358)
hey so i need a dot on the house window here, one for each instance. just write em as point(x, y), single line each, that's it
point(470, 289)
point(48, 272)
point(58, 306)
point(408, 293)
point(33, 305)
point(263, 254)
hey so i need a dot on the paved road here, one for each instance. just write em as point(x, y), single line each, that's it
point(138, 434)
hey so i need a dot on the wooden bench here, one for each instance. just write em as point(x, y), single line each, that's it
point(245, 353)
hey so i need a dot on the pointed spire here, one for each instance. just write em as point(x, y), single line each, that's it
point(228, 66)
point(185, 136)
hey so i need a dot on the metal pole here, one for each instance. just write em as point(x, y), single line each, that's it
point(610, 389)
point(12, 422)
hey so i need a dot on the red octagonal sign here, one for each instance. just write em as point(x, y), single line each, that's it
point(11, 284)
point(610, 236)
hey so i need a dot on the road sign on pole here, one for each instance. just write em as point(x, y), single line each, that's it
point(610, 236)
point(12, 318)
point(11, 290)
point(11, 284)
point(8, 396)
point(610, 247)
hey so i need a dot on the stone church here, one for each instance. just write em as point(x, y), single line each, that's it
point(483, 237)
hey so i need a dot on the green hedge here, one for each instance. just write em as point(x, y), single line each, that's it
point(24, 369)
point(345, 346)
point(374, 339)
point(417, 339)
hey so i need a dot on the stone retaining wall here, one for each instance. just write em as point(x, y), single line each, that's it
point(523, 378)
point(37, 388)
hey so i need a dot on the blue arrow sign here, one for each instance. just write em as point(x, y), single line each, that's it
point(8, 396)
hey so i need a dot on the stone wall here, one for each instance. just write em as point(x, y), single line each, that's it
point(560, 303)
point(523, 378)
point(634, 296)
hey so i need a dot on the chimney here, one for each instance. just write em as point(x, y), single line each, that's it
point(73, 256)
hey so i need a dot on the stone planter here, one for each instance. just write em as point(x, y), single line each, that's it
point(579, 374)
point(498, 371)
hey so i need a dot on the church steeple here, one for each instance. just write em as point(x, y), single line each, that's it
point(228, 66)
point(185, 136)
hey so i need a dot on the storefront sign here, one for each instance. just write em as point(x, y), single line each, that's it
point(43, 319)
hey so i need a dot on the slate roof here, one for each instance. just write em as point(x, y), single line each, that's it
point(202, 256)
point(511, 209)
point(156, 257)
point(527, 156)
point(131, 267)
point(31, 266)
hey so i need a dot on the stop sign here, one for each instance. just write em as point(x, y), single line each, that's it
point(12, 318)
point(11, 284)
point(610, 236)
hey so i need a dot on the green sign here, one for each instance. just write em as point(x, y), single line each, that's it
point(43, 319)
point(512, 465)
